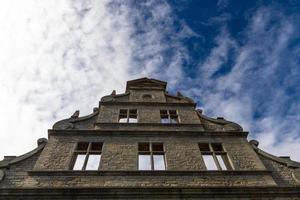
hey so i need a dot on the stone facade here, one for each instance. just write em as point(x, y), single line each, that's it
point(47, 171)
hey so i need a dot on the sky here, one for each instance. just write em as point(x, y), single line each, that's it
point(236, 59)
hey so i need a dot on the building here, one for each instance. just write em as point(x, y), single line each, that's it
point(146, 143)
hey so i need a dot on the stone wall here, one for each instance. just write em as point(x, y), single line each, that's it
point(282, 175)
point(147, 114)
point(120, 152)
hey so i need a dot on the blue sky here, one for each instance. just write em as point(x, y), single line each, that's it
point(237, 59)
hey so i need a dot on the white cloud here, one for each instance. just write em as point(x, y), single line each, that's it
point(254, 83)
point(55, 57)
point(59, 56)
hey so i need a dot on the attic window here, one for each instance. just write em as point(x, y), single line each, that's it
point(87, 156)
point(128, 116)
point(168, 117)
point(214, 156)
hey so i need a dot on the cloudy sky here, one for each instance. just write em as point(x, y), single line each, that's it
point(237, 60)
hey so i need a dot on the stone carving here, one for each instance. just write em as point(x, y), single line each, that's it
point(71, 122)
point(254, 142)
point(219, 124)
point(296, 175)
point(76, 114)
point(2, 174)
point(42, 141)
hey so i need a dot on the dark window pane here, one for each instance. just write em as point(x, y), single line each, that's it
point(164, 117)
point(164, 112)
point(174, 119)
point(157, 147)
point(217, 146)
point(82, 146)
point(133, 116)
point(123, 111)
point(134, 112)
point(96, 146)
point(204, 147)
point(144, 147)
point(122, 116)
point(172, 112)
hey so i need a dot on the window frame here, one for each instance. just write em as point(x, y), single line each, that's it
point(214, 154)
point(169, 116)
point(87, 154)
point(128, 114)
point(152, 153)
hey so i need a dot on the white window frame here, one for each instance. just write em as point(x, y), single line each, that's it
point(89, 151)
point(222, 165)
point(152, 153)
point(128, 115)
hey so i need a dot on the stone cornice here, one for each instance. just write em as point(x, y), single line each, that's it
point(148, 173)
point(269, 192)
point(71, 132)
point(158, 104)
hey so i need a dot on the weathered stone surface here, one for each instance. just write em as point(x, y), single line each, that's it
point(296, 174)
point(2, 174)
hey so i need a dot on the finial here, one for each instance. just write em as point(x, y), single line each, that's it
point(199, 110)
point(76, 114)
point(113, 92)
point(254, 142)
point(179, 94)
point(41, 141)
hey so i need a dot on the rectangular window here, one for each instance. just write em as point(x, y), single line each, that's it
point(214, 156)
point(151, 156)
point(87, 156)
point(128, 116)
point(168, 117)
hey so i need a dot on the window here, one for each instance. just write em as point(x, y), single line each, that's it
point(214, 156)
point(87, 156)
point(128, 116)
point(151, 156)
point(168, 117)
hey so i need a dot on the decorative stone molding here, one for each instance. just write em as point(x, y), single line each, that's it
point(41, 144)
point(296, 175)
point(70, 122)
point(219, 124)
point(286, 160)
point(2, 174)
